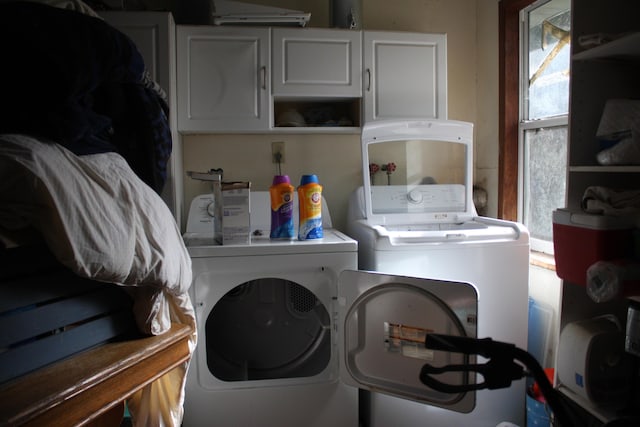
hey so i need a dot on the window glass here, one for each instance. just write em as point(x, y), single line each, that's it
point(547, 160)
point(544, 116)
point(549, 58)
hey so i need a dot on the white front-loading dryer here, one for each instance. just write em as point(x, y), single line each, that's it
point(266, 354)
point(288, 332)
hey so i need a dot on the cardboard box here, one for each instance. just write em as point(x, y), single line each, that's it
point(581, 239)
point(236, 213)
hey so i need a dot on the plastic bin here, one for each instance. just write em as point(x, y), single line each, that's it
point(581, 239)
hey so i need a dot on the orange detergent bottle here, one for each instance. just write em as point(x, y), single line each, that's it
point(310, 208)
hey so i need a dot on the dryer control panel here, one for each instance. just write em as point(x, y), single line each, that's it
point(201, 213)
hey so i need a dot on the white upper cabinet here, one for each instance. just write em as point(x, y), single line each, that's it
point(223, 79)
point(259, 79)
point(315, 62)
point(405, 75)
point(154, 35)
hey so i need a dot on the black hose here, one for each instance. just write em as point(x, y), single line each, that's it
point(557, 406)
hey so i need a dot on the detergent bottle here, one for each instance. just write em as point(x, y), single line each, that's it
point(281, 192)
point(310, 208)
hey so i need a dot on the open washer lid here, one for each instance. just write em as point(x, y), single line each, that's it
point(418, 171)
point(383, 322)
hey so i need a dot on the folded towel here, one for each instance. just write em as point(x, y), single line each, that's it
point(603, 200)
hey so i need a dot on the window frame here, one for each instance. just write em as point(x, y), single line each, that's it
point(514, 116)
point(509, 107)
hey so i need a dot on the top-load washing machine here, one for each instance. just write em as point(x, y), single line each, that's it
point(417, 218)
point(288, 330)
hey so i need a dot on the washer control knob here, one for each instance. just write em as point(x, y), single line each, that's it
point(414, 196)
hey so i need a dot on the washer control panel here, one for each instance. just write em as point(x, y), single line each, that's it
point(420, 198)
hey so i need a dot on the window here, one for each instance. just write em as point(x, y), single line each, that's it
point(534, 93)
point(544, 105)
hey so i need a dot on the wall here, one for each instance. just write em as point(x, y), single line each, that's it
point(472, 38)
point(545, 288)
point(472, 35)
point(487, 110)
point(335, 159)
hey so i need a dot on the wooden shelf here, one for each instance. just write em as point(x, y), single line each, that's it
point(316, 130)
point(601, 414)
point(605, 169)
point(625, 47)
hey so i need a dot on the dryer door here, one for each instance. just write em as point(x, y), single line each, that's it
point(383, 321)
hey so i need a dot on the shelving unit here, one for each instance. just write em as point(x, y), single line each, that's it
point(600, 73)
point(332, 115)
point(624, 47)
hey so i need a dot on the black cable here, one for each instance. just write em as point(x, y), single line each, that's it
point(551, 395)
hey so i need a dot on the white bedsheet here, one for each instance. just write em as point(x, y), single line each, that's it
point(100, 220)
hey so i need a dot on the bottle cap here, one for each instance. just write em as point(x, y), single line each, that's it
point(279, 179)
point(309, 179)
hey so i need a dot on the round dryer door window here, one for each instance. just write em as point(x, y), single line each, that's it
point(268, 328)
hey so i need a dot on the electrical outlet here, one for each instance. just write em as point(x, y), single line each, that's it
point(277, 152)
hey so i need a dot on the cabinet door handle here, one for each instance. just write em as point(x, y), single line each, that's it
point(263, 77)
point(368, 79)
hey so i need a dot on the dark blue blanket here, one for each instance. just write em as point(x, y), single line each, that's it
point(77, 81)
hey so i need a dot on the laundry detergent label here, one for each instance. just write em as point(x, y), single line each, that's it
point(282, 211)
point(407, 340)
point(310, 210)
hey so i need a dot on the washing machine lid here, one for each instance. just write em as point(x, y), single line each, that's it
point(418, 171)
point(383, 322)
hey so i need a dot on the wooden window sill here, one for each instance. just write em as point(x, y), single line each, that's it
point(542, 260)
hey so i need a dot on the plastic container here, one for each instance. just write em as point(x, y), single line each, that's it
point(310, 208)
point(608, 280)
point(582, 239)
point(236, 213)
point(537, 412)
point(281, 192)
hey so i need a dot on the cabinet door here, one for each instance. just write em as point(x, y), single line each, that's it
point(317, 62)
point(223, 82)
point(151, 32)
point(405, 75)
point(154, 36)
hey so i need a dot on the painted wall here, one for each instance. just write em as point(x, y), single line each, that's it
point(472, 38)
